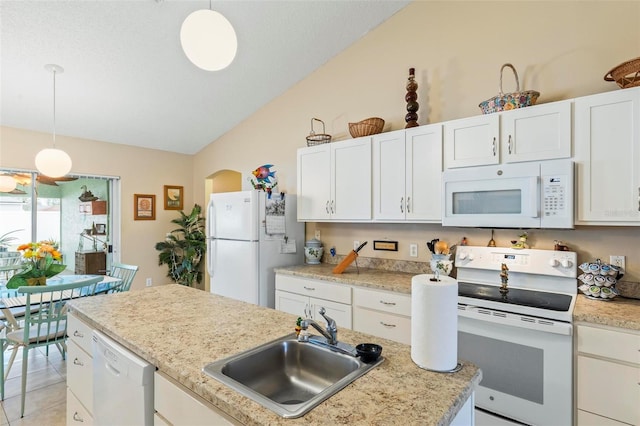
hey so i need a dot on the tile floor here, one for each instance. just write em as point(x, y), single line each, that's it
point(46, 398)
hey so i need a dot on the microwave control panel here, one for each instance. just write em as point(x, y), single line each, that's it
point(555, 195)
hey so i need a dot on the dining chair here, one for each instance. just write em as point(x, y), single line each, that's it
point(126, 273)
point(45, 323)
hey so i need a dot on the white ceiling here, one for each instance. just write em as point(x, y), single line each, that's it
point(126, 79)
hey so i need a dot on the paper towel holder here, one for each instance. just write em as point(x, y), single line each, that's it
point(455, 369)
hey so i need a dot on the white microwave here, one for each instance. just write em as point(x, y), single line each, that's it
point(517, 195)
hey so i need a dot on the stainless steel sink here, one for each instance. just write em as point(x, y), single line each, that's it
point(288, 377)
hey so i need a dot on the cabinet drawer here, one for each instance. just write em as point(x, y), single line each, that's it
point(76, 413)
point(314, 288)
point(80, 374)
point(179, 406)
point(394, 303)
point(589, 419)
point(79, 332)
point(608, 343)
point(609, 389)
point(381, 324)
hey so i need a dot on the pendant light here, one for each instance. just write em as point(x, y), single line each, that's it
point(53, 162)
point(208, 39)
point(7, 183)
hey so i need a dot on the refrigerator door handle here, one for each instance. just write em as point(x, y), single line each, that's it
point(210, 219)
point(210, 255)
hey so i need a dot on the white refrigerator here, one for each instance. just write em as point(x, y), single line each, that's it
point(248, 235)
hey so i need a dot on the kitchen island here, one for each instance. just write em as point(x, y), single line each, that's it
point(180, 330)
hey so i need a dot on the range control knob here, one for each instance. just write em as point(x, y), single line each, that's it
point(565, 263)
point(462, 255)
point(553, 262)
point(471, 256)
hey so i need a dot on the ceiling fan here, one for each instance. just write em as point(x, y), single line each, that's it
point(24, 179)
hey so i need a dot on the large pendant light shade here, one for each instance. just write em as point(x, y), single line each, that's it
point(209, 40)
point(7, 183)
point(53, 162)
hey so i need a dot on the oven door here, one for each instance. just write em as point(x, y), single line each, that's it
point(502, 196)
point(526, 372)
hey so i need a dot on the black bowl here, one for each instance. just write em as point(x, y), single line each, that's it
point(368, 352)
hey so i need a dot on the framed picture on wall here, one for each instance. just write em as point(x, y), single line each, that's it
point(101, 229)
point(144, 207)
point(173, 197)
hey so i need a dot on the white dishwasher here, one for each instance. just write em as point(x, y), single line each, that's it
point(122, 385)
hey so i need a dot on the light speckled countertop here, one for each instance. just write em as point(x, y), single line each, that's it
point(180, 330)
point(618, 312)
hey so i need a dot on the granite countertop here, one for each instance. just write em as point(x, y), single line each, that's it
point(180, 330)
point(618, 312)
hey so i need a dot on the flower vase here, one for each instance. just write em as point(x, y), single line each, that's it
point(36, 281)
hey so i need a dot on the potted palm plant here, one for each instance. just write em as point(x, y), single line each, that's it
point(6, 239)
point(183, 249)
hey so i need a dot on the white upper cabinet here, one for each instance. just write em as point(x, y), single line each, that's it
point(334, 181)
point(607, 158)
point(407, 178)
point(539, 132)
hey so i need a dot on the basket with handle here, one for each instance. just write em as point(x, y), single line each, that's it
point(507, 101)
point(317, 139)
point(627, 74)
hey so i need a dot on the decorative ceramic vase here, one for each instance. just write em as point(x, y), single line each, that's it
point(411, 97)
point(313, 251)
point(36, 281)
point(441, 263)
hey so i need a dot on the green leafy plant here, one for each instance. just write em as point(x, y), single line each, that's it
point(6, 239)
point(183, 249)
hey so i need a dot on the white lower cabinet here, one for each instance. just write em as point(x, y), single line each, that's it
point(383, 314)
point(79, 373)
point(175, 405)
point(608, 376)
point(304, 297)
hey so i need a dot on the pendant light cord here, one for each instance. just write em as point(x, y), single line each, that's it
point(54, 108)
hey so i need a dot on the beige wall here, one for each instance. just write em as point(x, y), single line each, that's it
point(562, 49)
point(142, 171)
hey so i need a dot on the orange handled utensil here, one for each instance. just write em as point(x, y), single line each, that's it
point(348, 260)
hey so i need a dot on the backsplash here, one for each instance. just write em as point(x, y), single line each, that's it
point(384, 264)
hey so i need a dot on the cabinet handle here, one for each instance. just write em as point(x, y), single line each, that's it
point(384, 324)
point(308, 288)
point(509, 144)
point(76, 361)
point(388, 303)
point(408, 204)
point(332, 210)
point(326, 207)
point(77, 417)
point(493, 146)
point(307, 311)
point(76, 333)
point(639, 198)
point(401, 204)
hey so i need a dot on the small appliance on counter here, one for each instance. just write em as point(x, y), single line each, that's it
point(313, 251)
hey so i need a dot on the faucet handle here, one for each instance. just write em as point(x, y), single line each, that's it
point(331, 324)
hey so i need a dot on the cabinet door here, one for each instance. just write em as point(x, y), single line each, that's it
point(351, 179)
point(314, 190)
point(607, 158)
point(339, 312)
point(292, 303)
point(423, 173)
point(80, 375)
point(472, 141)
point(77, 414)
point(389, 158)
point(541, 132)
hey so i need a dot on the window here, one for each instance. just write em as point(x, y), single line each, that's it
point(81, 213)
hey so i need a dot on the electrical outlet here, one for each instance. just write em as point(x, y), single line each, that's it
point(617, 261)
point(356, 244)
point(149, 282)
point(317, 234)
point(413, 250)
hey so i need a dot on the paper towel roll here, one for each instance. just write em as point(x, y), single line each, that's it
point(434, 322)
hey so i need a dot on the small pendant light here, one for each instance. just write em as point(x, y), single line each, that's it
point(53, 162)
point(7, 183)
point(208, 39)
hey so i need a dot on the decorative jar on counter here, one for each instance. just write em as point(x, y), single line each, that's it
point(313, 251)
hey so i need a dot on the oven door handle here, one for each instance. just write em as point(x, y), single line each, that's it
point(515, 320)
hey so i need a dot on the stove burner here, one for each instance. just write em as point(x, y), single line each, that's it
point(516, 296)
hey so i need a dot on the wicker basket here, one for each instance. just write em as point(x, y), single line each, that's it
point(627, 74)
point(317, 139)
point(507, 101)
point(367, 127)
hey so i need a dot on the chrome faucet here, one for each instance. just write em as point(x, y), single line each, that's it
point(331, 332)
